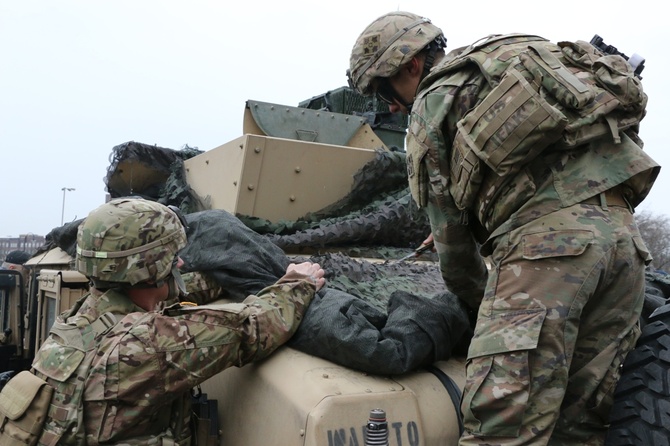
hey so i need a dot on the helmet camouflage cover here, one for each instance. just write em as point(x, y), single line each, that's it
point(385, 45)
point(129, 240)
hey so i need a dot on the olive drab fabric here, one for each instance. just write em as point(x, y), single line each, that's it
point(131, 371)
point(107, 254)
point(385, 45)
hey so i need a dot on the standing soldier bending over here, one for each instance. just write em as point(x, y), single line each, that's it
point(122, 372)
point(527, 152)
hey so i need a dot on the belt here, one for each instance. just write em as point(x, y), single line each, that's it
point(611, 197)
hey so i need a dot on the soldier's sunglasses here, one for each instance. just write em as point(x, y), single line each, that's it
point(385, 91)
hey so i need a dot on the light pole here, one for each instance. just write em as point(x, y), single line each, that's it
point(62, 214)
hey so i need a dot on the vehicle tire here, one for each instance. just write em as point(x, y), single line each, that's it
point(641, 411)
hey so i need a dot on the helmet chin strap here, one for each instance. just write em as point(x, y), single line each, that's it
point(433, 47)
point(176, 286)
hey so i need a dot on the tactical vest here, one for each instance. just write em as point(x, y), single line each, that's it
point(542, 96)
point(76, 350)
point(74, 347)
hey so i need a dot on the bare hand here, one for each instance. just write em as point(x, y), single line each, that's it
point(313, 270)
point(428, 241)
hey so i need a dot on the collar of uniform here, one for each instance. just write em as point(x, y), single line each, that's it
point(111, 301)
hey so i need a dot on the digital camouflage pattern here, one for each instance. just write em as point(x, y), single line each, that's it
point(131, 371)
point(106, 253)
point(559, 306)
point(385, 45)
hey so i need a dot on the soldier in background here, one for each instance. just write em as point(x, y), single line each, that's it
point(558, 310)
point(15, 260)
point(121, 367)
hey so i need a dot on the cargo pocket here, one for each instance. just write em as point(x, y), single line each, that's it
point(570, 242)
point(603, 399)
point(498, 382)
point(615, 74)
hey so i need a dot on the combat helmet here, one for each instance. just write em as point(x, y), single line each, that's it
point(130, 241)
point(388, 43)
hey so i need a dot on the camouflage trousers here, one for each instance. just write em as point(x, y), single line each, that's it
point(559, 315)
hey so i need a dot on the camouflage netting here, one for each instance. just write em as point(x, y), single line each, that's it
point(361, 319)
point(146, 171)
point(383, 317)
point(375, 317)
point(376, 215)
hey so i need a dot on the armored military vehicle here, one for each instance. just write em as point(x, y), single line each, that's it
point(380, 356)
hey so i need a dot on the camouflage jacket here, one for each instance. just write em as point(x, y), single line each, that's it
point(123, 375)
point(555, 179)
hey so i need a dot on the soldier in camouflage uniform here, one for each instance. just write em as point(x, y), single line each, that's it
point(15, 260)
point(559, 303)
point(121, 369)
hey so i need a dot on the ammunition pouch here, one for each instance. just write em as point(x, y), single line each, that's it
point(605, 99)
point(24, 403)
point(509, 128)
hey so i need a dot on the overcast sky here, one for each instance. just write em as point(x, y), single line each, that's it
point(79, 77)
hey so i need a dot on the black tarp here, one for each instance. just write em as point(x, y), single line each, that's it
point(383, 330)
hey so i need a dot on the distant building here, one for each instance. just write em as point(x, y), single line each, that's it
point(29, 243)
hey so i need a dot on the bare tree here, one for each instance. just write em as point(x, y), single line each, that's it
point(655, 231)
